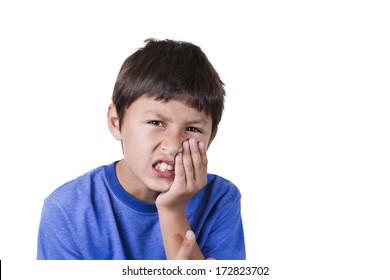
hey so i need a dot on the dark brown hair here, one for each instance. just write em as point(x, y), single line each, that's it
point(170, 70)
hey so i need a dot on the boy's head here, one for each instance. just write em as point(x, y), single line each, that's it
point(170, 70)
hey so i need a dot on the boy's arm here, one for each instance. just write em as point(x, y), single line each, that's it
point(179, 240)
point(190, 177)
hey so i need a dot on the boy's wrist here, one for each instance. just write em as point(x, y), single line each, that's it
point(171, 210)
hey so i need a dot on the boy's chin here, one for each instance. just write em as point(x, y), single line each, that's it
point(162, 187)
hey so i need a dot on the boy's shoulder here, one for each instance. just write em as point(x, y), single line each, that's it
point(81, 187)
point(222, 186)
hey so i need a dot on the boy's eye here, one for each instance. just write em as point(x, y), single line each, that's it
point(194, 129)
point(156, 123)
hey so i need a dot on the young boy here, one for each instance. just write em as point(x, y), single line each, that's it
point(166, 107)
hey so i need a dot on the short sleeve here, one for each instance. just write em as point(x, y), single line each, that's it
point(55, 240)
point(226, 239)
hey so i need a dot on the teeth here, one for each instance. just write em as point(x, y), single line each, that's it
point(163, 166)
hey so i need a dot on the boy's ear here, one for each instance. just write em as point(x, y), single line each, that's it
point(213, 136)
point(113, 122)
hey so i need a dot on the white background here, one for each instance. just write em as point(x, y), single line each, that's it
point(305, 134)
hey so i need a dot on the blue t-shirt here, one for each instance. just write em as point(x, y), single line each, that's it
point(93, 217)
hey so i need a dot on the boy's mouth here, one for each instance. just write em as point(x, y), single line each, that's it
point(163, 166)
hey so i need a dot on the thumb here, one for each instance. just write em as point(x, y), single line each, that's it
point(186, 246)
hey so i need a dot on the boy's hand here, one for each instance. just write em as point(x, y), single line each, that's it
point(190, 176)
point(186, 247)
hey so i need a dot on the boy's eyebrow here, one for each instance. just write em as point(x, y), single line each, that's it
point(158, 115)
point(195, 121)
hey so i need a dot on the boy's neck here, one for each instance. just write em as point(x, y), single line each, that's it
point(141, 193)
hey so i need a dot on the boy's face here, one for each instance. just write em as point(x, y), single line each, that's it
point(152, 133)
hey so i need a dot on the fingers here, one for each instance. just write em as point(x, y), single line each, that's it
point(195, 163)
point(197, 158)
point(186, 246)
point(190, 168)
point(180, 177)
point(187, 163)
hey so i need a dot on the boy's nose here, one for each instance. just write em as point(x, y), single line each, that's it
point(171, 145)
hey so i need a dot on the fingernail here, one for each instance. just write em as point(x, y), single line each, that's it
point(179, 156)
point(201, 145)
point(189, 235)
point(193, 142)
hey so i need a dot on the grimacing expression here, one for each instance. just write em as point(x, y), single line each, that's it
point(152, 133)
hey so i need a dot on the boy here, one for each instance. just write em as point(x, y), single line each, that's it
point(166, 107)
